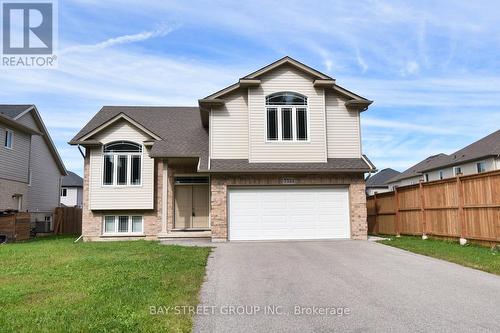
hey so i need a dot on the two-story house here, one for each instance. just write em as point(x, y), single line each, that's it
point(277, 155)
point(30, 166)
point(480, 156)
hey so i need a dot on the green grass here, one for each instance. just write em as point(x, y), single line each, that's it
point(473, 256)
point(52, 284)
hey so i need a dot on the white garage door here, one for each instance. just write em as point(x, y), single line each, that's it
point(260, 213)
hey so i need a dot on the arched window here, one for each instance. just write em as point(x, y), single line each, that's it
point(286, 98)
point(123, 147)
point(122, 163)
point(286, 115)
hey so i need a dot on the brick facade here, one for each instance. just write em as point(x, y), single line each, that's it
point(355, 182)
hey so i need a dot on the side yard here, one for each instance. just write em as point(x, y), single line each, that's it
point(473, 256)
point(56, 285)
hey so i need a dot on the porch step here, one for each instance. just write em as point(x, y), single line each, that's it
point(186, 234)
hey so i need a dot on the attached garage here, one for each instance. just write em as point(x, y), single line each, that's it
point(285, 213)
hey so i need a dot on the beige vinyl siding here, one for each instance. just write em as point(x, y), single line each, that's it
point(286, 78)
point(229, 128)
point(342, 128)
point(15, 162)
point(120, 197)
point(44, 191)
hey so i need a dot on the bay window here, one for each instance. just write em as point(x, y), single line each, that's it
point(122, 164)
point(286, 117)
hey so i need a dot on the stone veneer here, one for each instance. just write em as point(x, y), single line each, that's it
point(92, 220)
point(220, 184)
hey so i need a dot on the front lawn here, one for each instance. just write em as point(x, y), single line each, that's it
point(474, 256)
point(56, 285)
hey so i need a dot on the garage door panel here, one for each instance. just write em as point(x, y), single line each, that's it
point(265, 213)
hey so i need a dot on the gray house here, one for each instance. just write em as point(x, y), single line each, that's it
point(378, 182)
point(31, 168)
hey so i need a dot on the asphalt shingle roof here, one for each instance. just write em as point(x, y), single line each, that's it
point(416, 169)
point(183, 135)
point(381, 177)
point(13, 111)
point(487, 146)
point(72, 180)
point(180, 128)
point(332, 165)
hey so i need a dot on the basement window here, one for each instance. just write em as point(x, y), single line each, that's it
point(123, 225)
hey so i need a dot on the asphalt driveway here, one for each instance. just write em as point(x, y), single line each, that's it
point(342, 286)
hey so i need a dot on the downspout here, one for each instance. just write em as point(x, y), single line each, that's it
point(81, 152)
point(83, 155)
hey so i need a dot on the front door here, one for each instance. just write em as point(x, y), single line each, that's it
point(191, 207)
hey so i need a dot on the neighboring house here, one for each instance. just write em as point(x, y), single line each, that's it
point(72, 190)
point(480, 156)
point(31, 168)
point(378, 182)
point(276, 155)
point(413, 174)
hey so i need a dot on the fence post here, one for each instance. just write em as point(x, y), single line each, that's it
point(422, 209)
point(396, 218)
point(461, 220)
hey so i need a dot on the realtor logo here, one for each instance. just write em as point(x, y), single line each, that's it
point(28, 28)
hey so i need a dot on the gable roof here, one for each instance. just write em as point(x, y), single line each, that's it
point(72, 180)
point(416, 170)
point(380, 178)
point(280, 62)
point(179, 129)
point(15, 112)
point(485, 147)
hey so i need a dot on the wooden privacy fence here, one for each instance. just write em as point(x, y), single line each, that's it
point(16, 226)
point(464, 206)
point(67, 220)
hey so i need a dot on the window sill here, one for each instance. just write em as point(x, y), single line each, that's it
point(121, 186)
point(289, 142)
point(124, 235)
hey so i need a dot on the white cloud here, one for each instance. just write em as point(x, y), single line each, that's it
point(410, 68)
point(125, 39)
point(408, 125)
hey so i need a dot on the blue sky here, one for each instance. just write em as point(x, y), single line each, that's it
point(432, 67)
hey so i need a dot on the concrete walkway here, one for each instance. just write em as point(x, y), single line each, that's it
point(310, 286)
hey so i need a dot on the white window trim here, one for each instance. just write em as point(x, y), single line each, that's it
point(294, 123)
point(62, 192)
point(115, 169)
point(441, 174)
point(455, 170)
point(115, 232)
point(7, 131)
